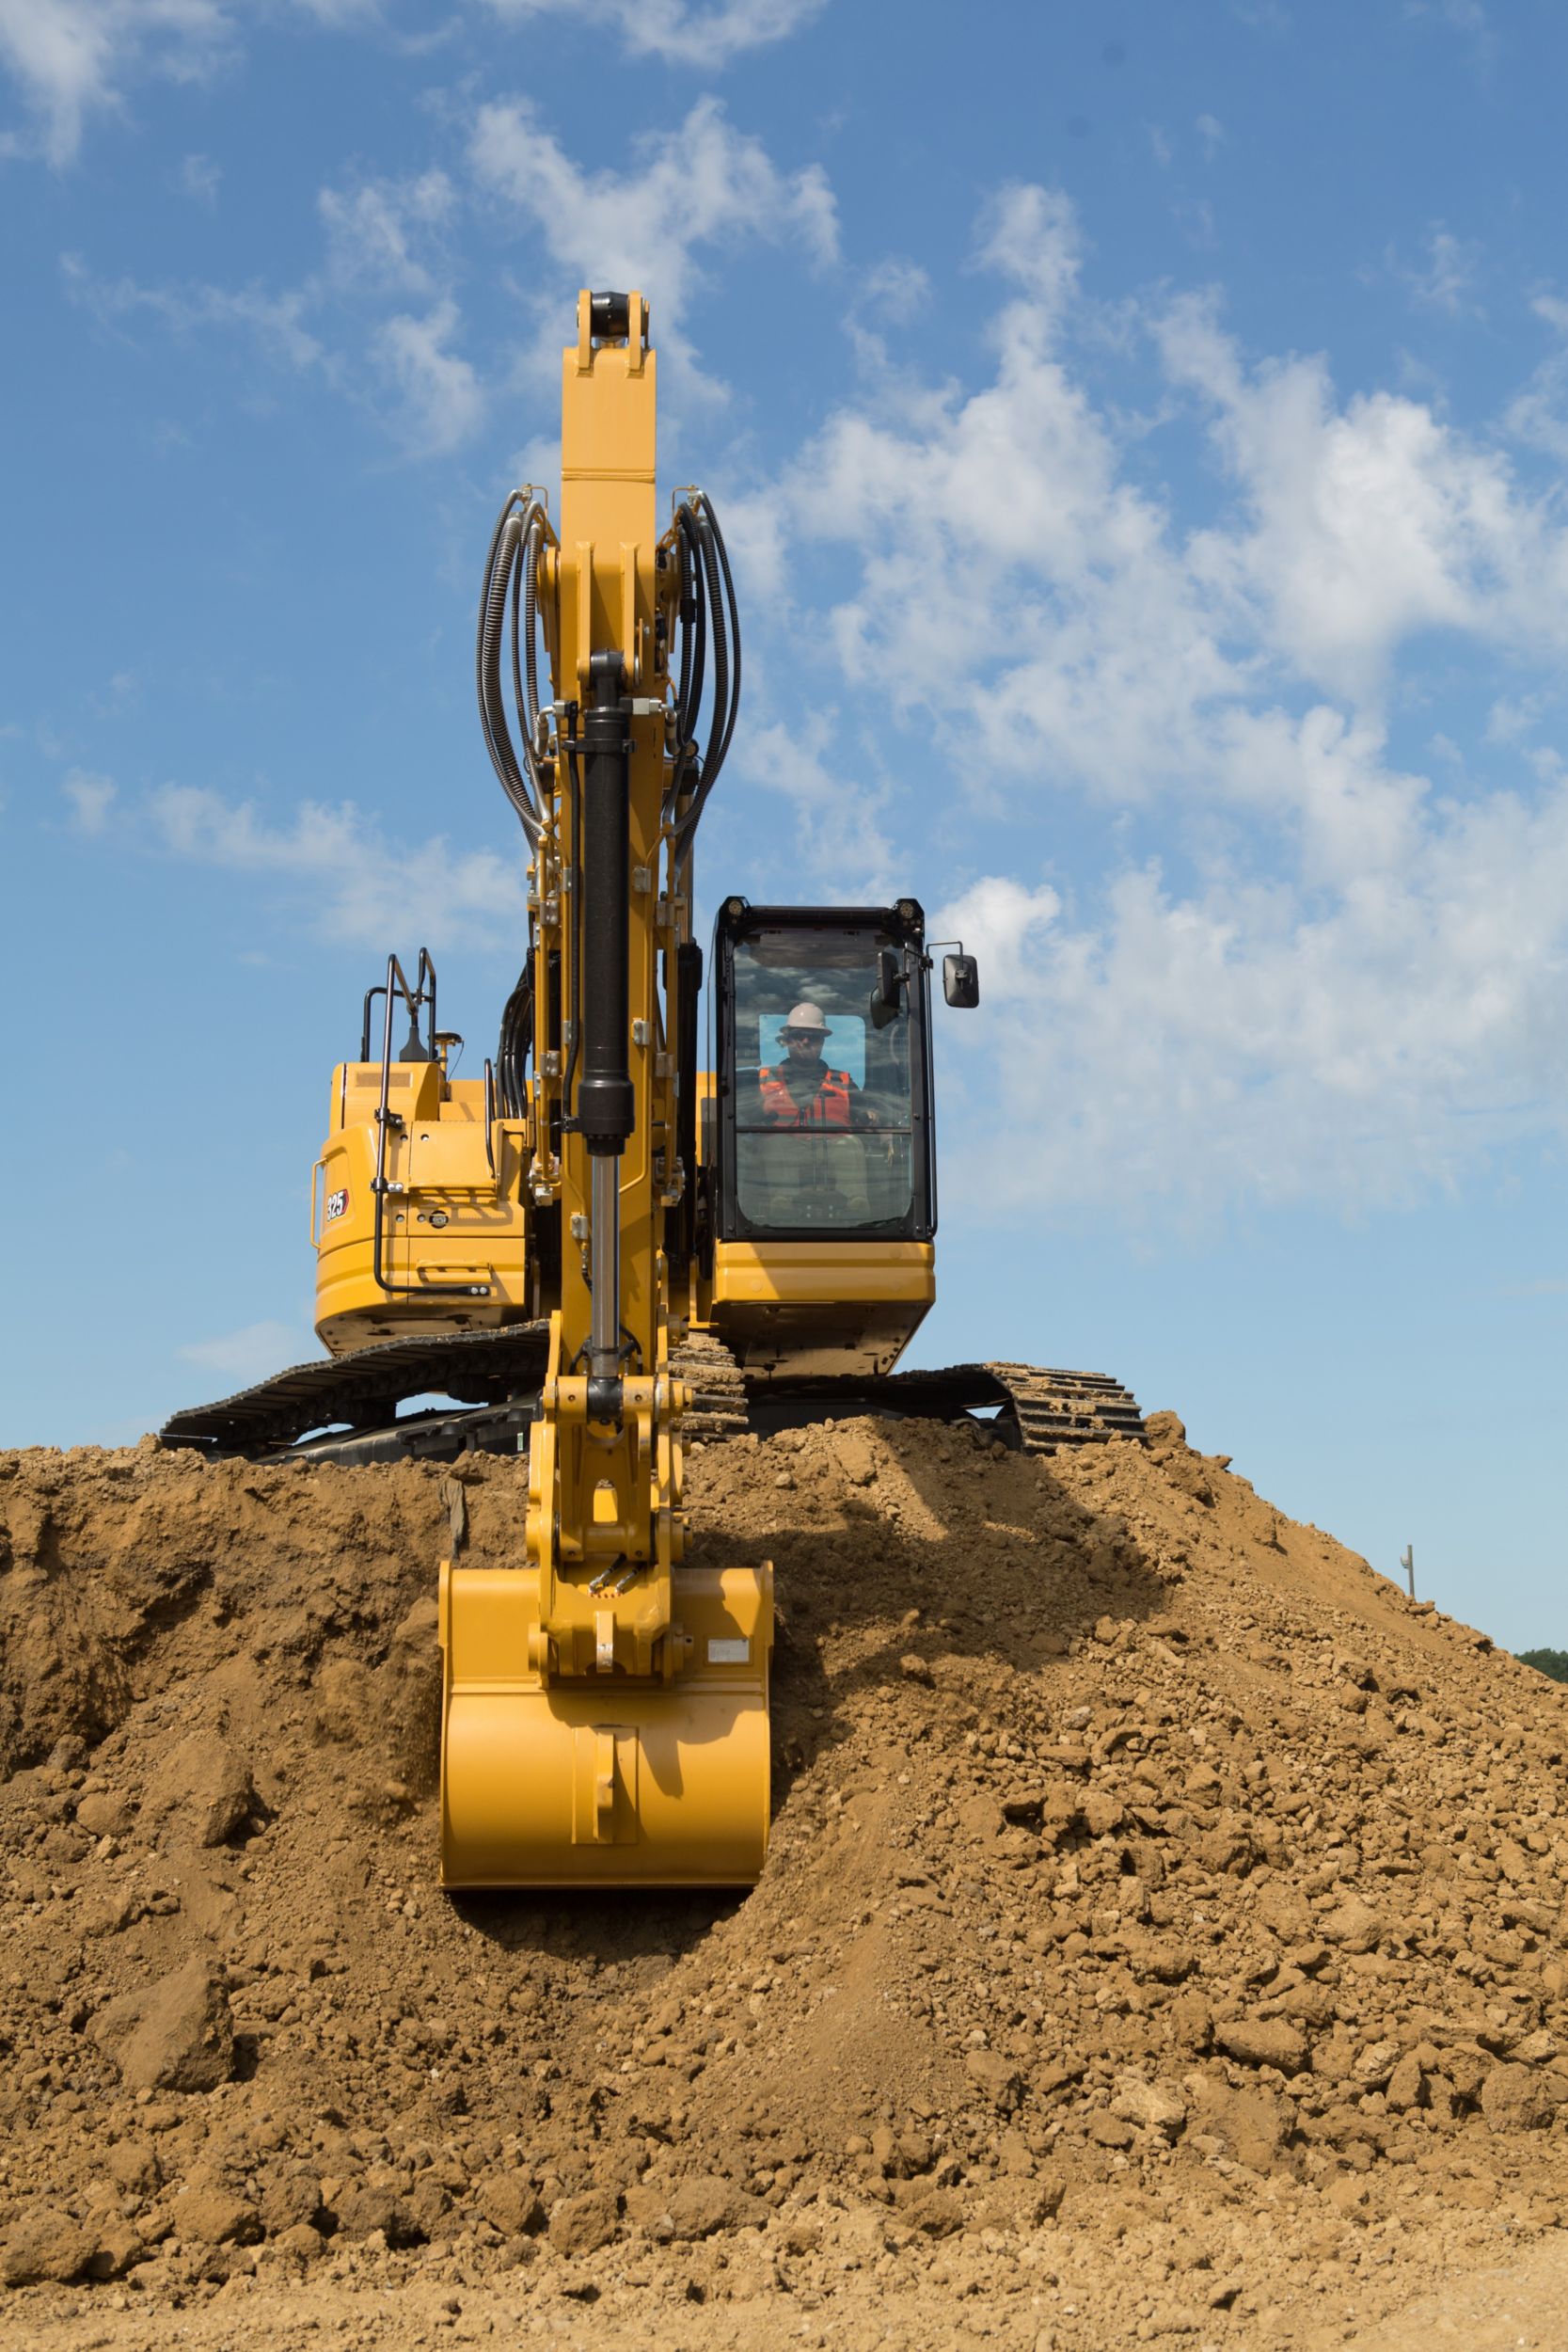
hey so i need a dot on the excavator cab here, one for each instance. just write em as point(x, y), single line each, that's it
point(819, 1169)
point(824, 1126)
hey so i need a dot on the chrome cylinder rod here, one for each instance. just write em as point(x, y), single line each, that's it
point(604, 1264)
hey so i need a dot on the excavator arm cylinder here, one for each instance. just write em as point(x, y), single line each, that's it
point(606, 1106)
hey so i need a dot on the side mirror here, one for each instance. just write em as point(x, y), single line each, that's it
point(890, 981)
point(961, 981)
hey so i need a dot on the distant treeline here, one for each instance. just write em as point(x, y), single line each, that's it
point(1548, 1661)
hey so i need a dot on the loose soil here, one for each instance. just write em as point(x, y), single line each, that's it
point(1162, 1942)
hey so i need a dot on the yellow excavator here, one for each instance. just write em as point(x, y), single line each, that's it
point(601, 1247)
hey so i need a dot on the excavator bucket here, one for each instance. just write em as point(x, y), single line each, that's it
point(604, 1779)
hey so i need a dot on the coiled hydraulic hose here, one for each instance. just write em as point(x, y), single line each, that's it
point(509, 566)
point(710, 624)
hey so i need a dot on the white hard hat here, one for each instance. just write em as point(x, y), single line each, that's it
point(807, 1017)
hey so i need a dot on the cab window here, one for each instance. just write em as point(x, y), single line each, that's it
point(823, 1123)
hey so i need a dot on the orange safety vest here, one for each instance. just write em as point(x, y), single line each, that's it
point(827, 1108)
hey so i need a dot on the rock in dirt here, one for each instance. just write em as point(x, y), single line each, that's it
point(206, 2214)
point(580, 2225)
point(705, 2204)
point(1519, 2099)
point(177, 2035)
point(1250, 2125)
point(206, 1787)
point(1263, 2041)
point(44, 2244)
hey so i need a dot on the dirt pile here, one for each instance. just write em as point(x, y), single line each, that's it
point(1163, 1939)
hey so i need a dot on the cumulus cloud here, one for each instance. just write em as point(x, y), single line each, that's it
point(1445, 279)
point(360, 888)
point(1336, 979)
point(276, 320)
point(1245, 1044)
point(700, 187)
point(201, 179)
point(375, 230)
point(1364, 523)
point(74, 58)
point(90, 799)
point(383, 244)
point(692, 194)
point(830, 832)
point(706, 38)
point(440, 399)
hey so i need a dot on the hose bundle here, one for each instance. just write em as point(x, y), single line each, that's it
point(710, 626)
point(507, 639)
point(510, 575)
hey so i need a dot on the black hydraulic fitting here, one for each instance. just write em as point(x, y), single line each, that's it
point(606, 1106)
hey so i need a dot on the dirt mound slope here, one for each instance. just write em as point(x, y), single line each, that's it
point(1163, 1940)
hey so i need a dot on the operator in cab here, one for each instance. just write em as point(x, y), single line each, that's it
point(803, 1090)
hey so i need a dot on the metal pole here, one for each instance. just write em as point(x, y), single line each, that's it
point(1407, 1562)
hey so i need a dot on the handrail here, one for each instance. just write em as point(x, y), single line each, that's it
point(386, 1118)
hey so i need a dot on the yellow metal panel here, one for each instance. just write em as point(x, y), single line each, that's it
point(605, 1780)
point(439, 1158)
point(808, 1273)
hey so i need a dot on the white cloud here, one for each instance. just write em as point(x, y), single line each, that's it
point(381, 239)
point(342, 15)
point(706, 38)
point(1365, 523)
point(1001, 922)
point(832, 831)
point(253, 1352)
point(698, 187)
point(73, 58)
point(1031, 234)
point(362, 888)
point(1466, 16)
point(276, 319)
point(691, 194)
point(1212, 132)
point(200, 178)
point(1538, 416)
point(374, 230)
point(1253, 1042)
point(1446, 280)
point(1338, 982)
point(440, 400)
point(894, 289)
point(90, 799)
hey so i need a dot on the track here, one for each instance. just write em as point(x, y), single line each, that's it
point(354, 1399)
point(345, 1408)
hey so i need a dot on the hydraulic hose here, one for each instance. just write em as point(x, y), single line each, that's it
point(710, 628)
point(516, 1045)
point(508, 579)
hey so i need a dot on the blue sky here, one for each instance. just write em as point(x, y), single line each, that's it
point(1140, 433)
